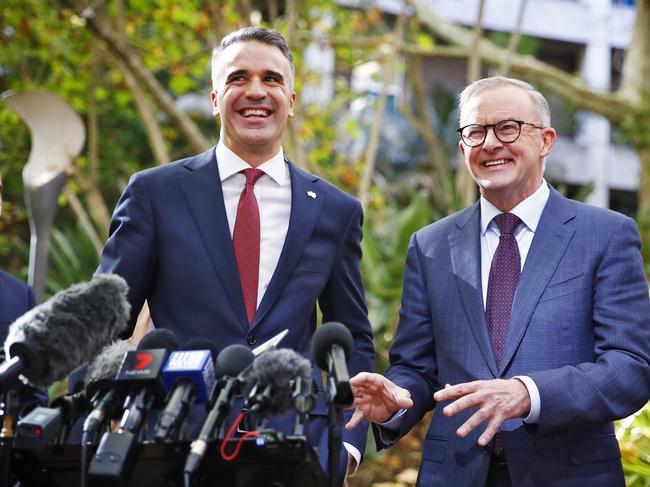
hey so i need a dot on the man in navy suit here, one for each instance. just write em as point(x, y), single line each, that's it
point(16, 298)
point(528, 399)
point(171, 235)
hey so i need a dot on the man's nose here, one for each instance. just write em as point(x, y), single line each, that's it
point(491, 141)
point(256, 89)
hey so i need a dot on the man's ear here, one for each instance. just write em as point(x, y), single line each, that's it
point(214, 101)
point(548, 140)
point(292, 100)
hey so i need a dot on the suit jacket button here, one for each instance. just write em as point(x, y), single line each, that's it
point(251, 340)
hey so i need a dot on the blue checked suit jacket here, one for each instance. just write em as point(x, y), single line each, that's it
point(580, 329)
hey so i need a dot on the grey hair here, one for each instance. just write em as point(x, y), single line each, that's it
point(480, 85)
point(259, 34)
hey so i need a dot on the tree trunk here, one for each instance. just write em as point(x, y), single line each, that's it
point(99, 27)
point(571, 87)
point(515, 36)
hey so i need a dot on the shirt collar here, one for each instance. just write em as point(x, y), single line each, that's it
point(230, 163)
point(529, 210)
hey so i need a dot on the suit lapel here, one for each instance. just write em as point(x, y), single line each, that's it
point(305, 211)
point(548, 246)
point(465, 250)
point(202, 188)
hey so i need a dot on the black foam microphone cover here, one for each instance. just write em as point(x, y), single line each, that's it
point(159, 338)
point(331, 333)
point(102, 371)
point(70, 328)
point(278, 369)
point(233, 360)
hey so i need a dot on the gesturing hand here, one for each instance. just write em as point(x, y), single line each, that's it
point(497, 400)
point(376, 399)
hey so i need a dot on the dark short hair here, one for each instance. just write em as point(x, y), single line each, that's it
point(259, 34)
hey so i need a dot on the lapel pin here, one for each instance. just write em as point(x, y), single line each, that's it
point(311, 194)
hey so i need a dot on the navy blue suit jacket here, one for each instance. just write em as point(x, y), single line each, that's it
point(169, 239)
point(580, 329)
point(16, 299)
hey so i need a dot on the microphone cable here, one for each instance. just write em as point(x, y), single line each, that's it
point(248, 434)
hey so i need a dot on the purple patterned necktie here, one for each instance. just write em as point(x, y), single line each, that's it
point(502, 284)
point(246, 242)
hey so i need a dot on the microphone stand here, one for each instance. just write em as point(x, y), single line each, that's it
point(334, 422)
point(6, 437)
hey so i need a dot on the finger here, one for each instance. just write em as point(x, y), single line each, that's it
point(462, 404)
point(457, 391)
point(490, 431)
point(356, 418)
point(366, 379)
point(470, 425)
point(404, 402)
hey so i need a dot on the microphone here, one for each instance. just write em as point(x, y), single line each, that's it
point(331, 346)
point(140, 375)
point(101, 384)
point(42, 425)
point(189, 374)
point(269, 388)
point(231, 367)
point(140, 372)
point(54, 338)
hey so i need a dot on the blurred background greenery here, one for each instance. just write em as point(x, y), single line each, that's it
point(396, 153)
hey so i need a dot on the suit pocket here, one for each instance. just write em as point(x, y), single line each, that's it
point(568, 286)
point(596, 449)
point(434, 449)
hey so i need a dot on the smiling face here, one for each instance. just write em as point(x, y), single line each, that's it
point(507, 173)
point(254, 98)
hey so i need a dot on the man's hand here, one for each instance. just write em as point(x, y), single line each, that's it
point(376, 399)
point(497, 400)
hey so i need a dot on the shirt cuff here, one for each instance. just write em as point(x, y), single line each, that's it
point(535, 401)
point(356, 454)
point(388, 430)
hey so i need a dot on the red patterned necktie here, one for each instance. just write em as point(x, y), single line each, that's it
point(246, 242)
point(502, 284)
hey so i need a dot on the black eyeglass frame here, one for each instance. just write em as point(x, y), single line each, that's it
point(494, 129)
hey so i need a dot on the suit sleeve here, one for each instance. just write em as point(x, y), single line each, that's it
point(343, 300)
point(130, 248)
point(617, 382)
point(413, 354)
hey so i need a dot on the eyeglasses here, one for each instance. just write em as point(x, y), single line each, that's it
point(507, 131)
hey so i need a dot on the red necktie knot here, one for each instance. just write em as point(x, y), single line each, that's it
point(252, 175)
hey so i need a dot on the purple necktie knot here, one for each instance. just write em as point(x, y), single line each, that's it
point(507, 222)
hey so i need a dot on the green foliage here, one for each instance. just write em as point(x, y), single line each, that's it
point(633, 434)
point(527, 45)
point(386, 236)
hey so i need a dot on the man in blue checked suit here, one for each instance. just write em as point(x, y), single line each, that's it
point(525, 319)
point(237, 244)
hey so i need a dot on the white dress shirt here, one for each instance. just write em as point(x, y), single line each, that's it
point(273, 194)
